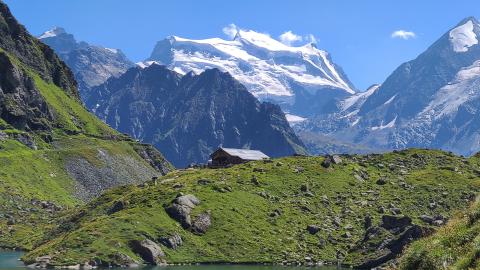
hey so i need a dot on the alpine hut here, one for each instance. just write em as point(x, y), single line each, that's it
point(224, 157)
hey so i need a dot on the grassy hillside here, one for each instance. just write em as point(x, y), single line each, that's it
point(72, 160)
point(455, 246)
point(260, 211)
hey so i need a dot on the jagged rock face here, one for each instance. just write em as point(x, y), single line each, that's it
point(21, 105)
point(92, 65)
point(429, 102)
point(16, 40)
point(187, 117)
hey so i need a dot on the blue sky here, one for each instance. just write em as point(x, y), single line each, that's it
point(357, 33)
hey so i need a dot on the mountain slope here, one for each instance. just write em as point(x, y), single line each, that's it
point(428, 102)
point(189, 116)
point(291, 210)
point(303, 80)
point(91, 65)
point(54, 154)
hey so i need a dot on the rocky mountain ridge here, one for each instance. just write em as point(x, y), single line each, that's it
point(92, 65)
point(429, 102)
point(189, 116)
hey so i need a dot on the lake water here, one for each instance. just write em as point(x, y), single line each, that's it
point(10, 260)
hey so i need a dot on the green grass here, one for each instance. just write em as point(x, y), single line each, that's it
point(456, 246)
point(28, 174)
point(243, 229)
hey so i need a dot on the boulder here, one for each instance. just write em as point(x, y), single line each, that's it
point(367, 223)
point(313, 229)
point(201, 224)
point(395, 222)
point(117, 206)
point(149, 251)
point(381, 181)
point(336, 159)
point(174, 241)
point(427, 219)
point(181, 208)
point(326, 163)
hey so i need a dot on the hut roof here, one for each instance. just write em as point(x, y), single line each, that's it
point(244, 154)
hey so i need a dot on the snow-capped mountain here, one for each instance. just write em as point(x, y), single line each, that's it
point(91, 65)
point(432, 101)
point(303, 80)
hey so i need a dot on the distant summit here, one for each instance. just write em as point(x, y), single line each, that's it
point(52, 33)
point(432, 101)
point(303, 80)
point(92, 65)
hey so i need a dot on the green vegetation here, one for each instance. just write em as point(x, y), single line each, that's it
point(260, 210)
point(36, 185)
point(455, 246)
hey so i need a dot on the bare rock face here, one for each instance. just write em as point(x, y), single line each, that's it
point(174, 241)
point(202, 223)
point(21, 104)
point(39, 57)
point(149, 251)
point(194, 113)
point(181, 208)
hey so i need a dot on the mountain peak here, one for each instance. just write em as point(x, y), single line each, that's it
point(467, 19)
point(464, 35)
point(56, 31)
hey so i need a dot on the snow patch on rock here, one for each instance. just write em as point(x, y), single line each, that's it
point(463, 37)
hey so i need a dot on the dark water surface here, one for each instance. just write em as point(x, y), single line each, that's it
point(10, 260)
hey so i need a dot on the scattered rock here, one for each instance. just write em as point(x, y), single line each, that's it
point(202, 223)
point(427, 219)
point(117, 206)
point(261, 170)
point(381, 181)
point(182, 207)
point(313, 229)
point(395, 211)
point(329, 160)
point(149, 251)
point(174, 241)
point(438, 222)
point(395, 222)
point(367, 222)
point(326, 163)
point(41, 262)
point(204, 182)
point(255, 181)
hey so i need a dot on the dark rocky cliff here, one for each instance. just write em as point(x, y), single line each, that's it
point(187, 117)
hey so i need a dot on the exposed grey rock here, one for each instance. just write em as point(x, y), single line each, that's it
point(92, 180)
point(202, 223)
point(174, 241)
point(181, 208)
point(395, 222)
point(427, 219)
point(117, 206)
point(149, 251)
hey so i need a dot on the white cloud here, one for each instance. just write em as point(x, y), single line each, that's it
point(230, 30)
point(311, 38)
point(289, 37)
point(403, 34)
